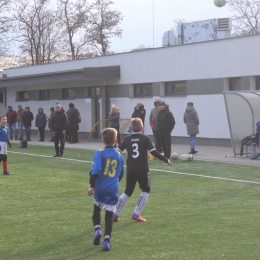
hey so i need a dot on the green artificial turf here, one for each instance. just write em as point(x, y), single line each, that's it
point(45, 212)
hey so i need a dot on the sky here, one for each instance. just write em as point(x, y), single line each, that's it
point(145, 21)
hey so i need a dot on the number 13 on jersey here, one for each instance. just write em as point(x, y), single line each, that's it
point(110, 169)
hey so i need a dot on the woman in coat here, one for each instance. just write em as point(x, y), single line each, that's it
point(191, 120)
point(40, 122)
point(113, 118)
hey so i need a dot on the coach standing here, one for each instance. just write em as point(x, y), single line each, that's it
point(59, 124)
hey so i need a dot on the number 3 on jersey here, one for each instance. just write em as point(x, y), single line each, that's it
point(135, 150)
point(113, 164)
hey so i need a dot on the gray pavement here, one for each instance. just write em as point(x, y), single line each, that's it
point(205, 153)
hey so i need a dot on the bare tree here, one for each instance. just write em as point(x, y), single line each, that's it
point(38, 32)
point(73, 17)
point(4, 28)
point(103, 25)
point(245, 18)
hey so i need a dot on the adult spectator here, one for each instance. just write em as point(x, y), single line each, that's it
point(11, 122)
point(139, 111)
point(73, 123)
point(59, 124)
point(49, 124)
point(113, 118)
point(152, 121)
point(40, 122)
point(27, 122)
point(165, 125)
point(20, 113)
point(191, 119)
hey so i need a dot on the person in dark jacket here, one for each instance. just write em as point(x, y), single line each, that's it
point(73, 125)
point(139, 111)
point(59, 124)
point(49, 124)
point(191, 119)
point(11, 122)
point(114, 117)
point(20, 113)
point(164, 125)
point(27, 122)
point(40, 122)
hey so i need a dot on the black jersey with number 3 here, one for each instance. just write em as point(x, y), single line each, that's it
point(137, 146)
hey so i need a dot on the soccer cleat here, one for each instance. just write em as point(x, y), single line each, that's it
point(96, 240)
point(106, 245)
point(138, 218)
point(115, 217)
point(56, 155)
point(6, 173)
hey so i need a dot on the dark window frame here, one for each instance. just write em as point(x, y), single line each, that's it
point(234, 84)
point(172, 88)
point(21, 95)
point(143, 90)
point(42, 96)
point(67, 93)
point(94, 91)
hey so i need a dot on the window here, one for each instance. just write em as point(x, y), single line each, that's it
point(257, 82)
point(44, 95)
point(143, 90)
point(68, 93)
point(175, 88)
point(234, 83)
point(23, 95)
point(94, 92)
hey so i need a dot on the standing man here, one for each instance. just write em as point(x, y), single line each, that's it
point(11, 121)
point(20, 113)
point(139, 112)
point(73, 126)
point(27, 122)
point(165, 124)
point(59, 125)
point(191, 119)
point(152, 121)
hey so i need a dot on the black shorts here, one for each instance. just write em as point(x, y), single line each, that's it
point(143, 178)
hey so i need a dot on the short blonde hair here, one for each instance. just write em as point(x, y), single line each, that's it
point(109, 135)
point(136, 124)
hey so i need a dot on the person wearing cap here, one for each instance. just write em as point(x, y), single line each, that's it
point(27, 122)
point(191, 119)
point(11, 122)
point(152, 121)
point(59, 125)
point(165, 124)
point(139, 112)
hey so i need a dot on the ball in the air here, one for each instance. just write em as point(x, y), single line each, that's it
point(220, 3)
point(183, 158)
point(174, 156)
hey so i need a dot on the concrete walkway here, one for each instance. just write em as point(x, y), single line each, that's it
point(205, 153)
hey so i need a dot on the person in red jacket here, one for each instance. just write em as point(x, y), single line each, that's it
point(11, 121)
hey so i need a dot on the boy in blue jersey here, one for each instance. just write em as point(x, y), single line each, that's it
point(106, 172)
point(3, 147)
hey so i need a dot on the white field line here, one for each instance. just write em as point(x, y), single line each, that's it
point(180, 173)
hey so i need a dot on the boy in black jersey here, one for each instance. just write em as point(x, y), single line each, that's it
point(137, 145)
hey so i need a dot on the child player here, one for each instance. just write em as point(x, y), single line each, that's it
point(137, 145)
point(3, 147)
point(106, 172)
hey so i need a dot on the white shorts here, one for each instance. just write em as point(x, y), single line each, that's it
point(104, 206)
point(3, 148)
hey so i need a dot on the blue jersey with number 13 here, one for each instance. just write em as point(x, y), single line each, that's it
point(108, 163)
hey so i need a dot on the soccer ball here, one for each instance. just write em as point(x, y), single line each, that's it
point(190, 157)
point(220, 3)
point(183, 158)
point(174, 156)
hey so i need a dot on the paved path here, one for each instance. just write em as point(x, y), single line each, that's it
point(205, 153)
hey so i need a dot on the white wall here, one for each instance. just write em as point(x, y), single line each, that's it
point(214, 59)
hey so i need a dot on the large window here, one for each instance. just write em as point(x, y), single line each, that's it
point(68, 93)
point(143, 90)
point(44, 95)
point(235, 83)
point(175, 88)
point(23, 96)
point(94, 92)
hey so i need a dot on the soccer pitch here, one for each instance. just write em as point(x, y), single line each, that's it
point(196, 210)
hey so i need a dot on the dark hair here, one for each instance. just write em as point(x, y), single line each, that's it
point(136, 124)
point(2, 117)
point(52, 109)
point(39, 109)
point(27, 107)
point(71, 105)
point(190, 103)
point(109, 136)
